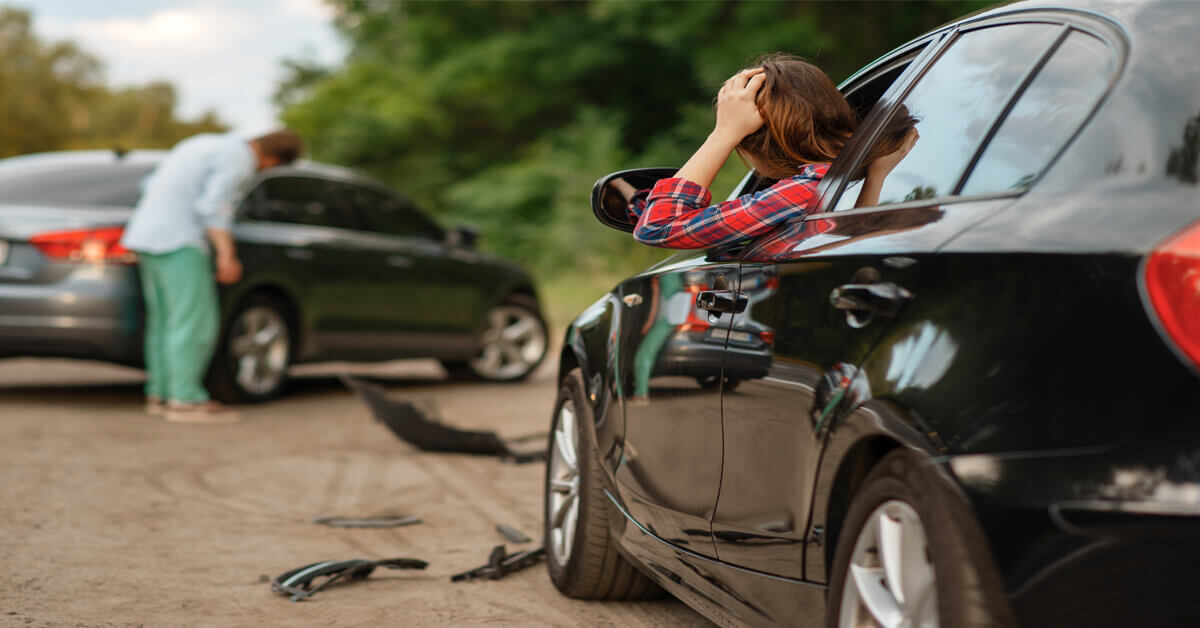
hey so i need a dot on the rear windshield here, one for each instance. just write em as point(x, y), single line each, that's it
point(103, 184)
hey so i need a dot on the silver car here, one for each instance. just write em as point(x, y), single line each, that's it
point(337, 267)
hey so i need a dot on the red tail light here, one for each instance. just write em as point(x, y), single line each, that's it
point(1171, 278)
point(85, 245)
point(694, 320)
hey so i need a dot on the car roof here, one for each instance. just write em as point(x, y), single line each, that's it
point(151, 157)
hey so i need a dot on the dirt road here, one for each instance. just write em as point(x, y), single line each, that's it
point(109, 517)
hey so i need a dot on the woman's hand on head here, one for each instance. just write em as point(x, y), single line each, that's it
point(737, 108)
point(882, 166)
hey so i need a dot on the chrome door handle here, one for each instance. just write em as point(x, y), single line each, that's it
point(722, 301)
point(399, 261)
point(302, 254)
point(885, 299)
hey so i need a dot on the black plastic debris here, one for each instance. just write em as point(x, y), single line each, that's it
point(425, 430)
point(366, 522)
point(512, 534)
point(299, 582)
point(501, 563)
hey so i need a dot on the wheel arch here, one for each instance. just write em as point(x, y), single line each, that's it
point(853, 468)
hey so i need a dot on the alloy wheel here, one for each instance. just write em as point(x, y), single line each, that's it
point(514, 342)
point(563, 484)
point(259, 347)
point(891, 580)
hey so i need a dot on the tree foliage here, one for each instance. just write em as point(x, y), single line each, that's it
point(504, 113)
point(53, 97)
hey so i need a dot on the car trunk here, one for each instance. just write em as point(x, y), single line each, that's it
point(22, 260)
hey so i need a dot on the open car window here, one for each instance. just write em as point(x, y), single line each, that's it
point(862, 95)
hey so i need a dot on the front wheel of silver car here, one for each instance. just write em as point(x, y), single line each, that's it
point(581, 553)
point(513, 343)
point(254, 354)
point(910, 554)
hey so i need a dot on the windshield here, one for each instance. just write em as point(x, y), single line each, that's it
point(99, 184)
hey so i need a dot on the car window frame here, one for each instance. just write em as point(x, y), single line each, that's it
point(257, 194)
point(405, 204)
point(1094, 24)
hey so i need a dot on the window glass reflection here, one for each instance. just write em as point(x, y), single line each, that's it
point(956, 102)
point(1049, 111)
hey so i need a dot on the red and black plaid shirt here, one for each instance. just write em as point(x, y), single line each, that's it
point(677, 215)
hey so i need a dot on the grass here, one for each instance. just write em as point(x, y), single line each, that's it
point(564, 296)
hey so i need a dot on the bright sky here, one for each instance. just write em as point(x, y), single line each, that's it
point(220, 54)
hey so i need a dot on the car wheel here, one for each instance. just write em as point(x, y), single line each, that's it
point(911, 554)
point(252, 359)
point(513, 344)
point(580, 551)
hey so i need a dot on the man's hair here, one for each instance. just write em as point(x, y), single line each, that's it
point(805, 118)
point(283, 144)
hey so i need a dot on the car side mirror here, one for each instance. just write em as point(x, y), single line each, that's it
point(462, 236)
point(612, 193)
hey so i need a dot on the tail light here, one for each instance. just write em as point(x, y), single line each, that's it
point(695, 322)
point(1171, 280)
point(84, 245)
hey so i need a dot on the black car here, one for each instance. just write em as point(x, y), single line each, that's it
point(981, 406)
point(337, 267)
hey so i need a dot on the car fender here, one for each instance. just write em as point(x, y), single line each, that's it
point(865, 431)
point(590, 345)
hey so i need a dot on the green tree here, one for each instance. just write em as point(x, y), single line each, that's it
point(53, 97)
point(505, 113)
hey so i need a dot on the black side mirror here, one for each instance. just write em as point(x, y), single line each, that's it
point(612, 193)
point(462, 236)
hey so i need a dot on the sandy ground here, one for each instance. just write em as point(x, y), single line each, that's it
point(109, 517)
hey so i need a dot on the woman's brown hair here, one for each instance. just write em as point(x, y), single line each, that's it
point(807, 120)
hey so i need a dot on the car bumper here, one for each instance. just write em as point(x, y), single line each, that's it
point(93, 313)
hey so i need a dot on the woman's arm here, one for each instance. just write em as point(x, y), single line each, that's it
point(737, 117)
point(879, 169)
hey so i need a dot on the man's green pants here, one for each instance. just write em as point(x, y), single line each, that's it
point(181, 322)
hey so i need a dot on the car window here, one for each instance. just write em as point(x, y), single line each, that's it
point(301, 201)
point(956, 102)
point(1049, 111)
point(383, 212)
point(862, 96)
point(102, 185)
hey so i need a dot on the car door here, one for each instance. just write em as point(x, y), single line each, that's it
point(426, 295)
point(669, 362)
point(843, 276)
point(295, 215)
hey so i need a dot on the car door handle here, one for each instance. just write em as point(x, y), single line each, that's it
point(884, 299)
point(299, 254)
point(399, 261)
point(722, 301)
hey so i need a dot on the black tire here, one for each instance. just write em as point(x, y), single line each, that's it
point(463, 370)
point(970, 592)
point(594, 570)
point(222, 381)
point(712, 382)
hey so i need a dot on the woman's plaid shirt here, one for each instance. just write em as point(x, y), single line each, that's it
point(676, 214)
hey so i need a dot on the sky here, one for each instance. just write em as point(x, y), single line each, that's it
point(223, 55)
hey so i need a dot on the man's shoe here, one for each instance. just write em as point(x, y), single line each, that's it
point(200, 412)
point(155, 406)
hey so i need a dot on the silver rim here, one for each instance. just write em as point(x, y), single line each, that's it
point(562, 499)
point(891, 580)
point(512, 345)
point(259, 348)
